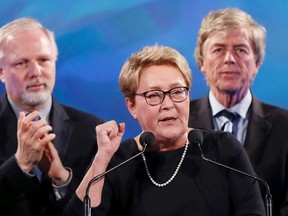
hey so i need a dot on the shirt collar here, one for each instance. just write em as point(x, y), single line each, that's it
point(240, 108)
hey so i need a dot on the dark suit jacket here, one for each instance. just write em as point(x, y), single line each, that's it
point(76, 144)
point(266, 144)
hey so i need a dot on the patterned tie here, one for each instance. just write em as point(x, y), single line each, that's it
point(228, 123)
point(37, 172)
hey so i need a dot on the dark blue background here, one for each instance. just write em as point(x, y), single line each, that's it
point(95, 37)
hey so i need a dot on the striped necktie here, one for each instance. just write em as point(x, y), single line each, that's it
point(229, 118)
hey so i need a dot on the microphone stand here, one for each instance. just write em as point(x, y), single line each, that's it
point(87, 203)
point(268, 198)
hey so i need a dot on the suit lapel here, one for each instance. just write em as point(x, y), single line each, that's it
point(59, 121)
point(257, 132)
point(8, 128)
point(201, 114)
point(62, 127)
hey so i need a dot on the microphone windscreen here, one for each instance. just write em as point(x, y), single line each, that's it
point(147, 138)
point(195, 136)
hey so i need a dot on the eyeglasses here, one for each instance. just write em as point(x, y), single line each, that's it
point(155, 97)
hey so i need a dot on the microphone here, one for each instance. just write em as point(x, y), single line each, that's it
point(146, 140)
point(196, 137)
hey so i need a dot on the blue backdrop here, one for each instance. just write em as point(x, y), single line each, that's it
point(95, 37)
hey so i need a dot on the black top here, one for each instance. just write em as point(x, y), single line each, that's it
point(200, 188)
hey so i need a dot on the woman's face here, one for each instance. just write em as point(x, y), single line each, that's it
point(168, 121)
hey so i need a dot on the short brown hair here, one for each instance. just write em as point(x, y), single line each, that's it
point(147, 56)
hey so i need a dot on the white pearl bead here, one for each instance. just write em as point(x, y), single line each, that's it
point(174, 174)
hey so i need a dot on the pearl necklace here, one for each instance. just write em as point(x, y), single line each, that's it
point(174, 174)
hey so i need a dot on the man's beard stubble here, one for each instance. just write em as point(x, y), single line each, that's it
point(36, 98)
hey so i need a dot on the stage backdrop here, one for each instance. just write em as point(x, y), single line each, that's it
point(95, 37)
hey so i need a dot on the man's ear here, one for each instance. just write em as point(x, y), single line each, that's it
point(201, 66)
point(130, 106)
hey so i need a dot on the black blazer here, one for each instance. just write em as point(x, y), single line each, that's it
point(266, 144)
point(76, 144)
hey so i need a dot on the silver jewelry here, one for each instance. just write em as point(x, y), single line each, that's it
point(174, 174)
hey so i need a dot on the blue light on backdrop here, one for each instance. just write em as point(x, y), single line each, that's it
point(95, 38)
